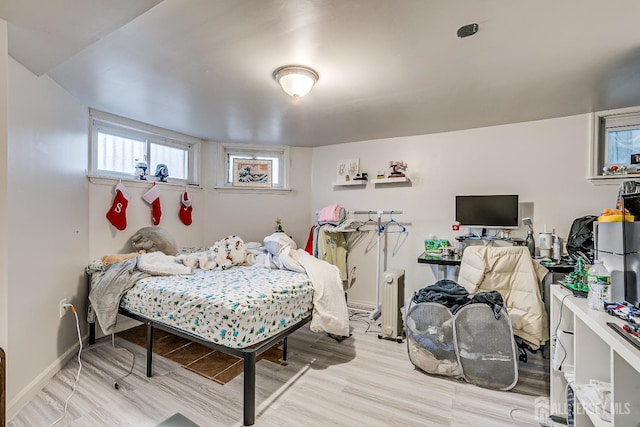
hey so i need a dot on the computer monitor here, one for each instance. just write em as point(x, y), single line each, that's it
point(487, 211)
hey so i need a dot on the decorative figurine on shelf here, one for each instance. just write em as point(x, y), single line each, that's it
point(397, 168)
point(615, 170)
point(162, 172)
point(577, 279)
point(141, 169)
point(279, 228)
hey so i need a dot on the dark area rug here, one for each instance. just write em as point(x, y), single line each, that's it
point(211, 364)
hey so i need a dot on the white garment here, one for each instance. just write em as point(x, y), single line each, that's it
point(330, 312)
point(157, 263)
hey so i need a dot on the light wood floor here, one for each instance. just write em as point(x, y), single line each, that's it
point(362, 381)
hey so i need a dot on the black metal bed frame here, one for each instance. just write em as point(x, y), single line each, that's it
point(248, 354)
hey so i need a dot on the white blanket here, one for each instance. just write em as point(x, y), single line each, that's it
point(157, 263)
point(330, 312)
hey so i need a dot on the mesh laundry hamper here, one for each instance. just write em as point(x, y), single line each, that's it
point(430, 339)
point(486, 348)
point(472, 344)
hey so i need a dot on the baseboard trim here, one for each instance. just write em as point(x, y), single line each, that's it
point(34, 387)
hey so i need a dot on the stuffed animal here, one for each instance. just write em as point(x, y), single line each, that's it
point(107, 260)
point(154, 239)
point(223, 254)
point(229, 251)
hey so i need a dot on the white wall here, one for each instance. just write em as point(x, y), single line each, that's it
point(48, 218)
point(253, 216)
point(544, 162)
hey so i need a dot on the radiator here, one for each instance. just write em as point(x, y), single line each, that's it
point(392, 295)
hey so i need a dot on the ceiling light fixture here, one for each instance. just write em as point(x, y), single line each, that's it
point(295, 80)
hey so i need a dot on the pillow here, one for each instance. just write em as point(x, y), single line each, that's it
point(154, 239)
point(276, 242)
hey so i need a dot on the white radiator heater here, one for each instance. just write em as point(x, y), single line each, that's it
point(392, 296)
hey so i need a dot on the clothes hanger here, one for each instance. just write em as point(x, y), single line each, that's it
point(369, 222)
point(391, 223)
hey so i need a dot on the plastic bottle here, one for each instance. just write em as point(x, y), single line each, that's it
point(557, 248)
point(598, 279)
point(531, 243)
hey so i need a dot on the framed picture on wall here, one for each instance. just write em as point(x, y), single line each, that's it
point(347, 169)
point(252, 173)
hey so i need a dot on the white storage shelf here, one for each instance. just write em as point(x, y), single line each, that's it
point(390, 180)
point(596, 352)
point(350, 183)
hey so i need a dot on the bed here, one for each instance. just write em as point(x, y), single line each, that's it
point(241, 311)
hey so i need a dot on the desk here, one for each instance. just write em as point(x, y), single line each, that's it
point(444, 267)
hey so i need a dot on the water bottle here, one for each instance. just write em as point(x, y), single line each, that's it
point(598, 279)
point(557, 248)
point(531, 243)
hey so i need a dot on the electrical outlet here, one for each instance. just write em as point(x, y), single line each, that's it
point(63, 309)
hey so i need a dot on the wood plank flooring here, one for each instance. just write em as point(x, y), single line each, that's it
point(362, 381)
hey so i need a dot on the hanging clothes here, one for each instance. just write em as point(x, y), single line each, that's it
point(332, 247)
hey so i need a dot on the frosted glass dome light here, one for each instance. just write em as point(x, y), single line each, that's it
point(295, 80)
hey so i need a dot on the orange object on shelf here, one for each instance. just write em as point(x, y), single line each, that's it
point(616, 218)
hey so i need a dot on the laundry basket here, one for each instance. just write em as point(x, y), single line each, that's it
point(486, 347)
point(431, 340)
point(471, 344)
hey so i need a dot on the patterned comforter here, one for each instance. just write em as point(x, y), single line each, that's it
point(237, 307)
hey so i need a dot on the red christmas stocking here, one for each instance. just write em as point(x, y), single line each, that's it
point(153, 198)
point(117, 215)
point(185, 209)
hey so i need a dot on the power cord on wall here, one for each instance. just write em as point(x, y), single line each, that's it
point(73, 387)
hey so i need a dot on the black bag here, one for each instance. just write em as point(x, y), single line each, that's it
point(580, 240)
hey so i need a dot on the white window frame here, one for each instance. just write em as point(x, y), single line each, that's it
point(137, 130)
point(253, 151)
point(597, 155)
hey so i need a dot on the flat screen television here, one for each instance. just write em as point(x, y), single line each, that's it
point(487, 211)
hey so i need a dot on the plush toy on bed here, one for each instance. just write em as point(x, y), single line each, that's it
point(154, 239)
point(229, 251)
point(223, 254)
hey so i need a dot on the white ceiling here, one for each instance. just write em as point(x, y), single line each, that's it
point(387, 68)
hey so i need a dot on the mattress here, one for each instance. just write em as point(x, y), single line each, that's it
point(237, 307)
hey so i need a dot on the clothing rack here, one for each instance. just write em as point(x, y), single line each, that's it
point(380, 229)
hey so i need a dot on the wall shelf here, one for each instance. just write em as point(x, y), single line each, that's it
point(390, 180)
point(350, 183)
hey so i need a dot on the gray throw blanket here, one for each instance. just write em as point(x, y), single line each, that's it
point(105, 295)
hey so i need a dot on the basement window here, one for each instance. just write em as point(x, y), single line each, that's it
point(277, 155)
point(616, 145)
point(120, 148)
